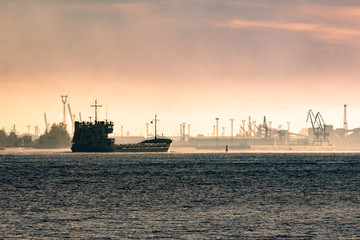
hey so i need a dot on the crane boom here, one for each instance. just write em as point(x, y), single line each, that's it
point(244, 130)
point(71, 116)
point(249, 126)
point(46, 124)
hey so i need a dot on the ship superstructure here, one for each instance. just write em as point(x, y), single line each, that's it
point(93, 137)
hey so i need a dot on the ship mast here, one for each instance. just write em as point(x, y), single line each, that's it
point(96, 107)
point(155, 124)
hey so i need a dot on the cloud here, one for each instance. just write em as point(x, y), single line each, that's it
point(336, 14)
point(330, 22)
point(325, 32)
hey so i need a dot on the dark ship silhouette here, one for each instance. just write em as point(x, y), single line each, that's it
point(93, 137)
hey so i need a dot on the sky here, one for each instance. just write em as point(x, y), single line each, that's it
point(186, 61)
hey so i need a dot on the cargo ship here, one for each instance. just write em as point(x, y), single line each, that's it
point(93, 137)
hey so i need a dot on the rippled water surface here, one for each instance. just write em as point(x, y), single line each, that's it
point(179, 196)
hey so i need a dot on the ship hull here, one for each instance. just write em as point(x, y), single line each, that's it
point(142, 148)
point(124, 148)
point(80, 148)
point(121, 148)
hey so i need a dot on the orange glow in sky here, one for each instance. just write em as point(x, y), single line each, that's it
point(187, 61)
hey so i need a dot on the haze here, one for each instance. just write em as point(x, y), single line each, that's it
point(187, 61)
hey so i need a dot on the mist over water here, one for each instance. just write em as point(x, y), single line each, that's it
point(184, 196)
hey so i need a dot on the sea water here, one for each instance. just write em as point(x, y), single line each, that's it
point(59, 194)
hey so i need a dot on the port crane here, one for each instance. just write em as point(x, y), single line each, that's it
point(318, 127)
point(267, 129)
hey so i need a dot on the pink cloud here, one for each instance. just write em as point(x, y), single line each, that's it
point(325, 32)
point(338, 13)
point(239, 23)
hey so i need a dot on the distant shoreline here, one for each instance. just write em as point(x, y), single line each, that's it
point(30, 148)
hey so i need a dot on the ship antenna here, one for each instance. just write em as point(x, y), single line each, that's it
point(155, 125)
